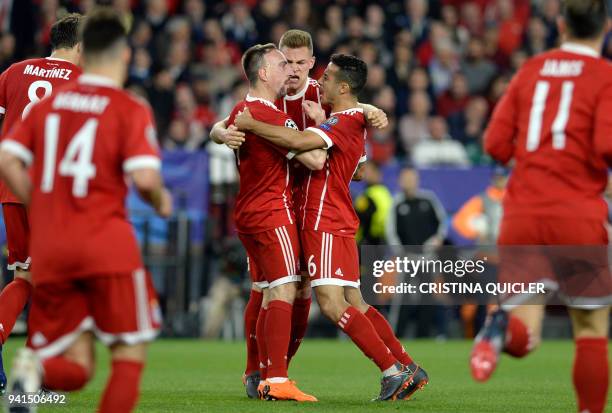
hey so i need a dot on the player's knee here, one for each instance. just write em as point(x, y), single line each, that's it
point(284, 292)
point(590, 323)
point(24, 275)
point(331, 308)
point(135, 352)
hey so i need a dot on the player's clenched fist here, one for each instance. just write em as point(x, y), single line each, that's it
point(243, 120)
point(232, 137)
point(314, 111)
point(377, 118)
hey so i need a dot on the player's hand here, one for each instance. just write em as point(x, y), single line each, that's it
point(377, 119)
point(164, 208)
point(232, 137)
point(243, 120)
point(314, 111)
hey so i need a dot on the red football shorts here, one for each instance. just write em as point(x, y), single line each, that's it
point(273, 256)
point(330, 259)
point(17, 236)
point(117, 308)
point(569, 256)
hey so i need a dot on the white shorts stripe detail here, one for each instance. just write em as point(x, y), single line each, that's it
point(140, 291)
point(322, 259)
point(285, 280)
point(64, 342)
point(261, 284)
point(281, 241)
point(290, 246)
point(25, 266)
point(334, 281)
point(330, 256)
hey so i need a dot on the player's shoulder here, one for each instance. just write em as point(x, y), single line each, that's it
point(262, 106)
point(355, 114)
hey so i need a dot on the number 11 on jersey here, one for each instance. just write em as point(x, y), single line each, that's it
point(538, 106)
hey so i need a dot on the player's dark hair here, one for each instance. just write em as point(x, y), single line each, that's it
point(101, 31)
point(253, 58)
point(352, 70)
point(65, 32)
point(585, 19)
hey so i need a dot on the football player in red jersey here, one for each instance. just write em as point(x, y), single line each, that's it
point(21, 86)
point(554, 121)
point(265, 217)
point(302, 103)
point(80, 144)
point(329, 225)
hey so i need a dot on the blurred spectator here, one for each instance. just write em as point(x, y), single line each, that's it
point(537, 35)
point(439, 149)
point(442, 66)
point(417, 216)
point(415, 20)
point(161, 97)
point(266, 14)
point(470, 126)
point(372, 207)
point(455, 99)
point(414, 127)
point(382, 141)
point(239, 26)
point(510, 23)
point(140, 69)
point(478, 70)
point(549, 10)
point(197, 118)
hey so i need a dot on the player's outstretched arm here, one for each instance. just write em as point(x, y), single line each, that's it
point(15, 174)
point(150, 186)
point(376, 118)
point(228, 135)
point(284, 137)
point(313, 160)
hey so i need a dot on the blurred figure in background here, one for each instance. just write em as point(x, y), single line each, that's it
point(439, 149)
point(372, 207)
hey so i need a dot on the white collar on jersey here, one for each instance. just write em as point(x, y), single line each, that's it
point(57, 59)
point(97, 80)
point(579, 49)
point(266, 102)
point(347, 111)
point(301, 93)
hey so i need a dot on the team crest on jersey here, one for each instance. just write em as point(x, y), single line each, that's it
point(289, 123)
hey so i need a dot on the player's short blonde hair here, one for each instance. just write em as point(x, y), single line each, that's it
point(294, 39)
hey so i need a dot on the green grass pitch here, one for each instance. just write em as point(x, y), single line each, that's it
point(204, 376)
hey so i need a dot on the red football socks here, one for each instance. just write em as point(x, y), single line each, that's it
point(13, 299)
point(299, 324)
point(517, 338)
point(591, 374)
point(261, 343)
point(278, 333)
point(251, 312)
point(123, 387)
point(63, 374)
point(385, 332)
point(362, 332)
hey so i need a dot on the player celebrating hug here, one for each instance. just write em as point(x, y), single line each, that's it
point(555, 122)
point(328, 229)
point(80, 144)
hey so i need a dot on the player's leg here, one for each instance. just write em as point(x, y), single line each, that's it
point(299, 317)
point(356, 325)
point(385, 332)
point(591, 369)
point(126, 314)
point(123, 385)
point(252, 373)
point(15, 294)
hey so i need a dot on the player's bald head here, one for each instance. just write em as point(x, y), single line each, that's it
point(103, 35)
point(585, 19)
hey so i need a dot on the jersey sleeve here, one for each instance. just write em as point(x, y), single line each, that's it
point(501, 133)
point(3, 86)
point(332, 129)
point(603, 125)
point(140, 149)
point(20, 140)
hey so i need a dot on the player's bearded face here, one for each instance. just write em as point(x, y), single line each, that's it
point(279, 73)
point(328, 84)
point(301, 61)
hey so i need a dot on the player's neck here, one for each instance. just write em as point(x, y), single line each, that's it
point(65, 54)
point(110, 72)
point(298, 89)
point(594, 44)
point(344, 104)
point(262, 92)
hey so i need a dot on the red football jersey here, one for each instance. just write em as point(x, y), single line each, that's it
point(264, 200)
point(22, 85)
point(80, 142)
point(328, 203)
point(554, 120)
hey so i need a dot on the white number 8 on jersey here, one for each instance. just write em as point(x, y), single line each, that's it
point(33, 94)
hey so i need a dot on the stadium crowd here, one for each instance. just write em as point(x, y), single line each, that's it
point(436, 67)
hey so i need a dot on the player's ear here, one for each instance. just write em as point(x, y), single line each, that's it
point(127, 54)
point(312, 62)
